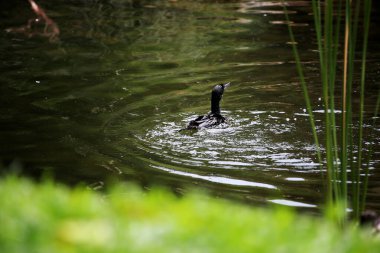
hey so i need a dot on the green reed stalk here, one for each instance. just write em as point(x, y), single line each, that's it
point(366, 14)
point(346, 91)
point(331, 47)
point(334, 68)
point(355, 174)
point(328, 83)
point(304, 87)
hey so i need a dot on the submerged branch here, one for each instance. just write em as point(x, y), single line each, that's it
point(42, 25)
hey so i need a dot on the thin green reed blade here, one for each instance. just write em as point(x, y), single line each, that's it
point(328, 88)
point(346, 91)
point(366, 14)
point(332, 47)
point(355, 169)
point(333, 73)
point(317, 15)
point(304, 86)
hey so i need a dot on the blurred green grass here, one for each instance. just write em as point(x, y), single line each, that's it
point(47, 217)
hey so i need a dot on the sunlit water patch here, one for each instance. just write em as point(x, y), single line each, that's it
point(291, 203)
point(249, 141)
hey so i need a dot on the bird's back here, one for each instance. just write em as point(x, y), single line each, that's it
point(206, 121)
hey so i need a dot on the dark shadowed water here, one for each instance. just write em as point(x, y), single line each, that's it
point(109, 98)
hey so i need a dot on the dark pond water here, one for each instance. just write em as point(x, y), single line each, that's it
point(107, 99)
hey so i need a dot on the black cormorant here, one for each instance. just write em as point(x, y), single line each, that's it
point(214, 117)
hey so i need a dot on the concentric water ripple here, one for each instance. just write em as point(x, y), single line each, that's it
point(250, 140)
point(255, 149)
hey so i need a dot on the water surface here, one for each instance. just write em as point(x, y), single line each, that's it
point(109, 98)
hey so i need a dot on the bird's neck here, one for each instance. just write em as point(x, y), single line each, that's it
point(215, 100)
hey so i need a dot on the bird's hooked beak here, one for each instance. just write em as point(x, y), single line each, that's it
point(226, 85)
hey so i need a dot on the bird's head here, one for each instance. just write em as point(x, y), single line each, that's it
point(219, 88)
